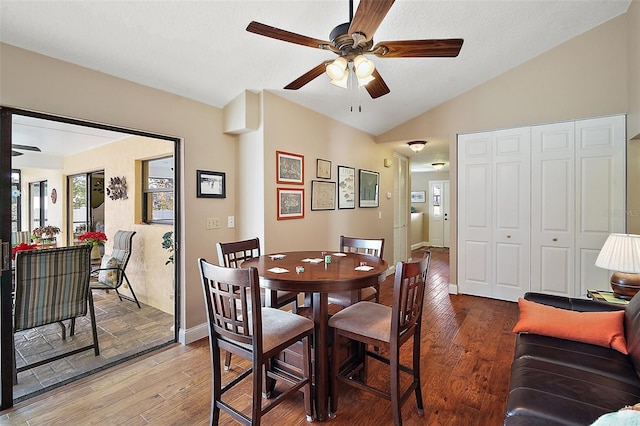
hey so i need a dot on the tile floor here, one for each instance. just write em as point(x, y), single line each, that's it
point(123, 331)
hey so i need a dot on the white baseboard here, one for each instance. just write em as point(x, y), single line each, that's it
point(198, 332)
point(453, 288)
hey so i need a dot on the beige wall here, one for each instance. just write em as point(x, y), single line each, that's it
point(587, 76)
point(633, 118)
point(151, 279)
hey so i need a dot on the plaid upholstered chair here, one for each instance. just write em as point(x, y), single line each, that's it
point(111, 274)
point(52, 286)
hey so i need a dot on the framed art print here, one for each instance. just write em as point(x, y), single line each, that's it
point(211, 184)
point(290, 203)
point(289, 168)
point(418, 197)
point(369, 182)
point(323, 169)
point(323, 195)
point(346, 187)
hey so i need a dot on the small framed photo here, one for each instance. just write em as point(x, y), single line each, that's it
point(369, 183)
point(290, 203)
point(323, 169)
point(346, 187)
point(418, 197)
point(323, 195)
point(211, 184)
point(289, 168)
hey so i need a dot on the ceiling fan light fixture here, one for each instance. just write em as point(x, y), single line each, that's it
point(343, 81)
point(337, 68)
point(364, 81)
point(417, 146)
point(437, 166)
point(363, 66)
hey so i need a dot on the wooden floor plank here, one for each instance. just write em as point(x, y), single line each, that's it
point(467, 349)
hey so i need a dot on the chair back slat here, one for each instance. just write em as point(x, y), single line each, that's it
point(370, 246)
point(231, 295)
point(51, 285)
point(408, 294)
point(122, 243)
point(232, 254)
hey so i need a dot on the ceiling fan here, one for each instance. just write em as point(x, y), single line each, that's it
point(352, 40)
point(15, 153)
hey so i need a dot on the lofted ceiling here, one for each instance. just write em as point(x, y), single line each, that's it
point(201, 50)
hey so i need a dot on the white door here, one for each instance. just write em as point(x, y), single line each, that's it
point(600, 195)
point(511, 213)
point(436, 213)
point(475, 274)
point(447, 216)
point(439, 213)
point(553, 208)
point(400, 209)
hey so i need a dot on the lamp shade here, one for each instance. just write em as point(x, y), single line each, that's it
point(621, 253)
point(336, 69)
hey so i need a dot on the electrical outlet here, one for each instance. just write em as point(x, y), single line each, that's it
point(231, 222)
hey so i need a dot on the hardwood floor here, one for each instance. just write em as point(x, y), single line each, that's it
point(467, 348)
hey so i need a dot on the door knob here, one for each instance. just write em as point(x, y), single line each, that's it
point(508, 236)
point(555, 239)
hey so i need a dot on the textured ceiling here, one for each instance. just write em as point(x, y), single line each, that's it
point(200, 49)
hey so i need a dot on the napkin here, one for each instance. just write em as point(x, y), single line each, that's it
point(316, 260)
point(278, 270)
point(277, 256)
point(364, 268)
point(339, 254)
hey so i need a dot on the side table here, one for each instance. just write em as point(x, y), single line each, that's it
point(606, 296)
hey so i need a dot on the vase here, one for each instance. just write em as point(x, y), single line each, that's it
point(95, 251)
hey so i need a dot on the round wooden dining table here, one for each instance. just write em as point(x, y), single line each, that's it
point(346, 272)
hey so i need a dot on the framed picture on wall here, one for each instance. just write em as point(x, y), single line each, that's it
point(323, 169)
point(289, 168)
point(290, 203)
point(346, 187)
point(368, 188)
point(211, 184)
point(418, 197)
point(323, 195)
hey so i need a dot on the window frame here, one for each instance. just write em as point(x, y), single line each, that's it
point(147, 216)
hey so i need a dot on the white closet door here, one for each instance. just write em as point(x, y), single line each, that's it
point(475, 271)
point(600, 194)
point(511, 213)
point(553, 208)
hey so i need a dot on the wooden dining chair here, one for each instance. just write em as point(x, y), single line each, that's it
point(231, 255)
point(388, 328)
point(370, 246)
point(240, 325)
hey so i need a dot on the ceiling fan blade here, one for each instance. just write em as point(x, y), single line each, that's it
point(377, 87)
point(25, 147)
point(445, 48)
point(279, 34)
point(307, 77)
point(368, 17)
point(15, 153)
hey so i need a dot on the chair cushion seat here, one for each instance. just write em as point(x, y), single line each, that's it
point(279, 326)
point(365, 318)
point(344, 298)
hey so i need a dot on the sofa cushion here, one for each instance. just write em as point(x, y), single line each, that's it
point(632, 330)
point(598, 328)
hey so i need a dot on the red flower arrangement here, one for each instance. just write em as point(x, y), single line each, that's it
point(22, 247)
point(93, 238)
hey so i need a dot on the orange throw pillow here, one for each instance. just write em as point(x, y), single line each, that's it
point(597, 328)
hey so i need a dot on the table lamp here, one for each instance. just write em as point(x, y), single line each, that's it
point(621, 253)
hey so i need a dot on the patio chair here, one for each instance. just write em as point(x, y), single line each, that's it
point(370, 246)
point(18, 237)
point(51, 286)
point(111, 273)
point(239, 324)
point(388, 328)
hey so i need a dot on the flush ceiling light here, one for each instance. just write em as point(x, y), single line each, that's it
point(417, 146)
point(437, 166)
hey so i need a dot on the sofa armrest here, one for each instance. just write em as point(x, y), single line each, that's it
point(572, 304)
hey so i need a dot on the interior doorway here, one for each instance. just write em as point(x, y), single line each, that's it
point(77, 200)
point(439, 215)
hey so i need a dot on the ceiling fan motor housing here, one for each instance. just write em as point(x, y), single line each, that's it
point(345, 43)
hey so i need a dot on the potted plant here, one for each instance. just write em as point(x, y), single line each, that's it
point(96, 239)
point(46, 234)
point(167, 244)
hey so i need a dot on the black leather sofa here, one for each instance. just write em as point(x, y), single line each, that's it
point(561, 382)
